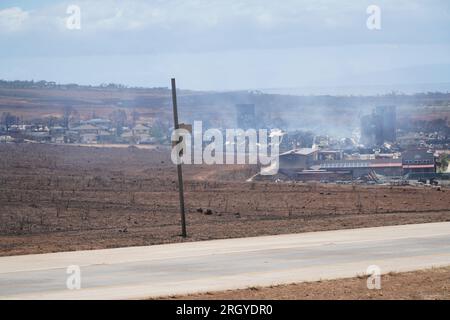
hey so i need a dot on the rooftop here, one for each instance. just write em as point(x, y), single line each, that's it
point(85, 127)
point(302, 151)
point(375, 163)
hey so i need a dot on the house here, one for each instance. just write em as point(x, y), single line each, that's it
point(142, 134)
point(141, 129)
point(87, 133)
point(127, 136)
point(105, 136)
point(56, 130)
point(6, 139)
point(40, 136)
point(86, 129)
point(88, 138)
point(58, 139)
point(100, 123)
point(71, 136)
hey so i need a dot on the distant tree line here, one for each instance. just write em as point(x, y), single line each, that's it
point(25, 84)
point(7, 120)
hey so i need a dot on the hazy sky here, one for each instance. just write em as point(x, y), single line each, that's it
point(227, 44)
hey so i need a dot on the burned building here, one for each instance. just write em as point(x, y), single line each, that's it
point(418, 161)
point(309, 164)
point(245, 116)
point(297, 160)
point(303, 165)
point(388, 116)
point(331, 155)
point(369, 130)
point(361, 168)
point(379, 127)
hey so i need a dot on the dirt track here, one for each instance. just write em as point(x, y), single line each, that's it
point(57, 198)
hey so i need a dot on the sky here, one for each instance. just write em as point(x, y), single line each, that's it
point(228, 44)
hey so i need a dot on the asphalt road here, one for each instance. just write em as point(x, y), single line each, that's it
point(141, 272)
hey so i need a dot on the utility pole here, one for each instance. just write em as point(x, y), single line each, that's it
point(179, 169)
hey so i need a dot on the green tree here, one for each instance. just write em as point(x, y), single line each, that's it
point(444, 160)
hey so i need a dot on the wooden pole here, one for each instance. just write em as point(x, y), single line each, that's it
point(179, 169)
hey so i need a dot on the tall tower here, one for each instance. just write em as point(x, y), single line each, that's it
point(379, 127)
point(388, 117)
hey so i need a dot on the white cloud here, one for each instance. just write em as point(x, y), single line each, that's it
point(115, 15)
point(12, 19)
point(218, 44)
point(149, 26)
point(194, 14)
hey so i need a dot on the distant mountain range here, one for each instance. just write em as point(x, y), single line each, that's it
point(411, 80)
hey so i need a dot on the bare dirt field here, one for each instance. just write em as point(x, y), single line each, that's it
point(62, 198)
point(432, 284)
point(33, 103)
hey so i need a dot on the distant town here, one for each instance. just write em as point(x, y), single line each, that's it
point(376, 152)
point(71, 130)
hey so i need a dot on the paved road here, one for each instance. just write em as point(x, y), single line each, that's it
point(138, 272)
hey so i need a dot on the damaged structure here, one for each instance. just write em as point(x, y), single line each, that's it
point(312, 164)
point(379, 127)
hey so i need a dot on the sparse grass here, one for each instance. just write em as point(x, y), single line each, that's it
point(254, 288)
point(433, 283)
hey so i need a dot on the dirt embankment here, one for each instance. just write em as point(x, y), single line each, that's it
point(432, 284)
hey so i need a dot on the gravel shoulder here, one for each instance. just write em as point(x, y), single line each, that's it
point(431, 284)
